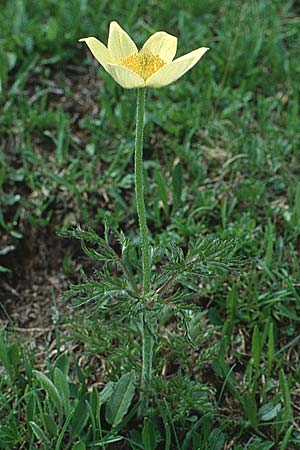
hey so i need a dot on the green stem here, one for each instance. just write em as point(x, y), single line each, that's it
point(147, 356)
point(146, 322)
point(139, 189)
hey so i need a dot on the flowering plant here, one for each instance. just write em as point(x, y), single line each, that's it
point(146, 298)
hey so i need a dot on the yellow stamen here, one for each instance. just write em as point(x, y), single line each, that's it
point(144, 63)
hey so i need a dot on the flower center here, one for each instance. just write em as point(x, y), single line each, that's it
point(144, 63)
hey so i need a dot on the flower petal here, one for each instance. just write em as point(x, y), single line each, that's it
point(174, 70)
point(125, 77)
point(119, 43)
point(101, 53)
point(162, 44)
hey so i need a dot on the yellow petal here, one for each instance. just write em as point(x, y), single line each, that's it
point(174, 70)
point(119, 43)
point(125, 77)
point(101, 53)
point(162, 44)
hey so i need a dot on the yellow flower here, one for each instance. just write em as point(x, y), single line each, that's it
point(152, 66)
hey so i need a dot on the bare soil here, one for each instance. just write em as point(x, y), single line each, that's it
point(30, 294)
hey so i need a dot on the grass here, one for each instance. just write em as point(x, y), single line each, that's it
point(222, 151)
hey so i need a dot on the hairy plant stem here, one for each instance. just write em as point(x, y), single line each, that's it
point(147, 357)
point(146, 322)
point(139, 188)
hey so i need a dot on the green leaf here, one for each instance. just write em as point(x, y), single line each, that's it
point(288, 312)
point(295, 216)
point(269, 411)
point(271, 348)
point(216, 440)
point(162, 189)
point(62, 384)
point(39, 433)
point(50, 389)
point(256, 347)
point(10, 434)
point(229, 323)
point(79, 373)
point(14, 356)
point(52, 29)
point(30, 406)
point(286, 440)
point(267, 445)
point(79, 446)
point(149, 434)
point(4, 356)
point(163, 414)
point(270, 239)
point(63, 431)
point(285, 395)
point(62, 362)
point(106, 392)
point(108, 440)
point(50, 425)
point(94, 403)
point(177, 184)
point(192, 431)
point(119, 402)
point(92, 421)
point(79, 419)
point(250, 409)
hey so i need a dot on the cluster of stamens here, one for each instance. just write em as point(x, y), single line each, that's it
point(144, 63)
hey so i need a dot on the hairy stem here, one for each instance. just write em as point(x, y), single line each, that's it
point(147, 338)
point(147, 357)
point(139, 189)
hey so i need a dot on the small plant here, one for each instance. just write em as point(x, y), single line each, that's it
point(154, 279)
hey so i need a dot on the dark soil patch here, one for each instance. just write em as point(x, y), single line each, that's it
point(36, 280)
